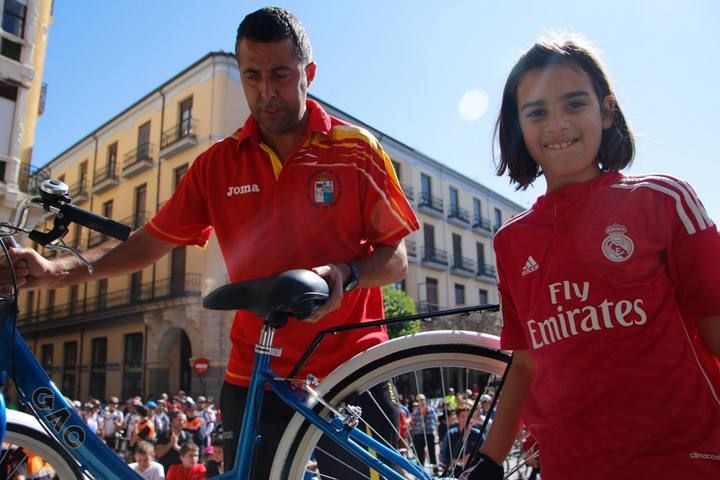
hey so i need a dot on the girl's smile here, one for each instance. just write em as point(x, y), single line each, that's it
point(562, 121)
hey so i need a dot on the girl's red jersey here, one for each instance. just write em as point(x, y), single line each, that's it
point(603, 282)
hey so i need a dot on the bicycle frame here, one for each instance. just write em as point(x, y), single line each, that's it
point(353, 440)
point(36, 390)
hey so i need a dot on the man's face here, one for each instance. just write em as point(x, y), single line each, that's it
point(275, 84)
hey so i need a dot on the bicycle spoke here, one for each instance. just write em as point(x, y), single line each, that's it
point(341, 462)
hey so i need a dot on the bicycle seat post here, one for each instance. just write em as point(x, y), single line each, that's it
point(265, 343)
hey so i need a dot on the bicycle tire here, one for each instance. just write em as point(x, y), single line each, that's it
point(446, 349)
point(25, 431)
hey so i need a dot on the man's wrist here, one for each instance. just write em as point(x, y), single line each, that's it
point(353, 278)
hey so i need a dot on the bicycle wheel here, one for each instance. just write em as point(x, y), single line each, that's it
point(428, 363)
point(24, 435)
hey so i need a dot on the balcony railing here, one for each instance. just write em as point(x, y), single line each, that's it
point(105, 177)
point(408, 191)
point(463, 265)
point(178, 138)
point(480, 223)
point(138, 160)
point(426, 307)
point(30, 178)
point(134, 221)
point(430, 202)
point(485, 270)
point(459, 214)
point(434, 255)
point(189, 285)
point(79, 191)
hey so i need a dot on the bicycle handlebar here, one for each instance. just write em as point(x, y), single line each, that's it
point(96, 222)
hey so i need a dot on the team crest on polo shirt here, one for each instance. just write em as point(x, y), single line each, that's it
point(324, 189)
point(617, 246)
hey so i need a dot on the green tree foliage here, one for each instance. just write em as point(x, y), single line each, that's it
point(398, 304)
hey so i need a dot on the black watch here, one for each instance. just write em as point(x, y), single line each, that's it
point(353, 279)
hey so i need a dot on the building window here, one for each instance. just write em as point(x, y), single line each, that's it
point(112, 160)
point(132, 365)
point(185, 118)
point(136, 285)
point(108, 209)
point(8, 91)
point(178, 174)
point(140, 205)
point(396, 166)
point(483, 294)
point(102, 290)
point(498, 219)
point(30, 303)
point(46, 356)
point(73, 298)
point(425, 187)
point(399, 286)
point(69, 375)
point(431, 294)
point(457, 250)
point(459, 294)
point(13, 22)
point(477, 210)
point(454, 200)
point(143, 143)
point(14, 17)
point(98, 367)
point(480, 256)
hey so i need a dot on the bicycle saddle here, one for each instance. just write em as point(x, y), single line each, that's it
point(294, 293)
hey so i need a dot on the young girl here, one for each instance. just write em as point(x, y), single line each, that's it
point(190, 469)
point(610, 289)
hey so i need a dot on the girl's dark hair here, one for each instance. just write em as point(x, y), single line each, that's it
point(274, 24)
point(189, 447)
point(617, 146)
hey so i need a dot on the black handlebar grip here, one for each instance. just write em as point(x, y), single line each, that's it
point(96, 222)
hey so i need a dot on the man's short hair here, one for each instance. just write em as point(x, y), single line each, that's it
point(275, 24)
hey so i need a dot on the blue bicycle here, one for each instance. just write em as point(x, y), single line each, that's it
point(429, 363)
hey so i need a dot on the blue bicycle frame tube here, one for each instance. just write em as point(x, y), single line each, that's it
point(348, 438)
point(262, 375)
point(36, 390)
point(248, 433)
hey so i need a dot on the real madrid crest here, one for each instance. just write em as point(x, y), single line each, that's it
point(324, 189)
point(617, 246)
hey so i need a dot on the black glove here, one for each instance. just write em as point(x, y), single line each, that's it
point(485, 469)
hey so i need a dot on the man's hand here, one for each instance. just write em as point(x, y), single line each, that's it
point(31, 269)
point(335, 275)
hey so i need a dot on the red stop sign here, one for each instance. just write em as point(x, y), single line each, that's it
point(201, 365)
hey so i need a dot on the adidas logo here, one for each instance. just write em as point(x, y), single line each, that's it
point(530, 266)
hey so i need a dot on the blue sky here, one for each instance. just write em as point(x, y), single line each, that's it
point(403, 67)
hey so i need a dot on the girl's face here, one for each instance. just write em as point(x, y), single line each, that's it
point(562, 120)
point(190, 458)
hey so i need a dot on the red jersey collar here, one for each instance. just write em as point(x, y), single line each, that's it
point(319, 121)
point(574, 192)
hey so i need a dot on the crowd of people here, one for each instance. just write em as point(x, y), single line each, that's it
point(442, 432)
point(165, 437)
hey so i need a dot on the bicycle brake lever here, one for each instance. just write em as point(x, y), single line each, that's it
point(75, 253)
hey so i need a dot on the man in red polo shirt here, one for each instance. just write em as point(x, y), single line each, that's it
point(293, 188)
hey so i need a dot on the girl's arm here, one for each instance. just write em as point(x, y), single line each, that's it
point(709, 329)
point(507, 423)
